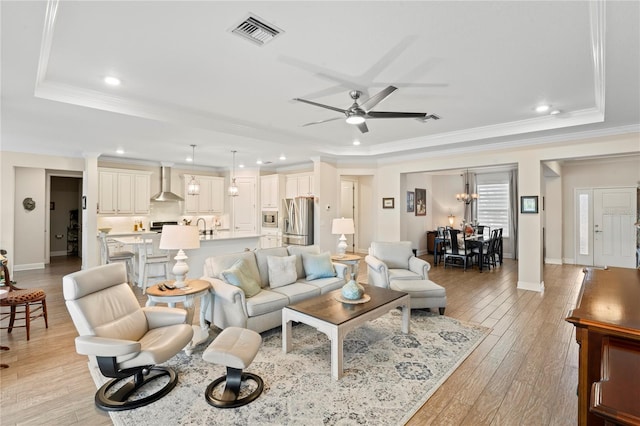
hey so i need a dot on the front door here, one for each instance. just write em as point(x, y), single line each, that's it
point(605, 229)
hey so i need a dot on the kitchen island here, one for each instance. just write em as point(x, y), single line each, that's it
point(210, 245)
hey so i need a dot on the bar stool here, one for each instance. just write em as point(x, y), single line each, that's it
point(109, 256)
point(148, 257)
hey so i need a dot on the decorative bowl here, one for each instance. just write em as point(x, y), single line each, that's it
point(105, 230)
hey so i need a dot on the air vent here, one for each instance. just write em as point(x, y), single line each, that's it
point(256, 30)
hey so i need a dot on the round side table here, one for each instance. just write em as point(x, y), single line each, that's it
point(186, 295)
point(351, 260)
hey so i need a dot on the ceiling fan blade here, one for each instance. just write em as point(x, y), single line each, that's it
point(390, 114)
point(377, 98)
point(323, 121)
point(320, 105)
point(363, 127)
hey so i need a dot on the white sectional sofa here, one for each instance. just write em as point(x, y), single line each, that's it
point(262, 311)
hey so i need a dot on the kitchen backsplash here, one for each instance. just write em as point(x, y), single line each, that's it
point(163, 212)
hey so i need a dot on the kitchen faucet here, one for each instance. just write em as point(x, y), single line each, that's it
point(204, 231)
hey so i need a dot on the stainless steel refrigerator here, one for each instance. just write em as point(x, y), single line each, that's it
point(297, 222)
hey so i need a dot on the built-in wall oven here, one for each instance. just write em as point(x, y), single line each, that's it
point(269, 219)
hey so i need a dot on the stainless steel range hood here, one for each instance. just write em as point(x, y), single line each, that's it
point(165, 193)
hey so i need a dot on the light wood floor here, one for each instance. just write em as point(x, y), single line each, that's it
point(524, 372)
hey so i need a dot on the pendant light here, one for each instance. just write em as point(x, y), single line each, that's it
point(193, 187)
point(233, 188)
point(466, 197)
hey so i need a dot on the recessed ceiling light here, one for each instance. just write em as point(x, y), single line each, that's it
point(120, 151)
point(282, 157)
point(356, 142)
point(542, 108)
point(112, 81)
point(189, 159)
point(555, 112)
point(259, 162)
point(241, 166)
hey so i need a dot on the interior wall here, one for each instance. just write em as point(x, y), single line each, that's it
point(444, 203)
point(603, 173)
point(29, 249)
point(414, 228)
point(553, 220)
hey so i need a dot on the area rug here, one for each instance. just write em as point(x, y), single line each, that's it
point(388, 376)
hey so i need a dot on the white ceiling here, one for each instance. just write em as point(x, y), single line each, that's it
point(483, 66)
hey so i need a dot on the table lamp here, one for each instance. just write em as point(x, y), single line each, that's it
point(340, 227)
point(180, 237)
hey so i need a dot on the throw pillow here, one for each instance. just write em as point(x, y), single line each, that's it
point(318, 265)
point(282, 270)
point(238, 274)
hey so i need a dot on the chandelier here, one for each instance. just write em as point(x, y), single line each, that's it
point(466, 196)
point(233, 188)
point(193, 187)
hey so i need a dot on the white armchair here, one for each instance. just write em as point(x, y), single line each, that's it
point(388, 261)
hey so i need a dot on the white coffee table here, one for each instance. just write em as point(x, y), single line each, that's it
point(337, 319)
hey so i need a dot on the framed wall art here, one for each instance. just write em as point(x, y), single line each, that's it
point(421, 202)
point(529, 204)
point(388, 203)
point(410, 202)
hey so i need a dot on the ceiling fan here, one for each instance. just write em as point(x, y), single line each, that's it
point(357, 113)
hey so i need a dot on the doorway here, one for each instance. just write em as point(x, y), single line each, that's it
point(65, 218)
point(349, 208)
point(605, 232)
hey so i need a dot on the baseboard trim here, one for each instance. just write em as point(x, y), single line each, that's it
point(552, 261)
point(523, 285)
point(59, 253)
point(28, 266)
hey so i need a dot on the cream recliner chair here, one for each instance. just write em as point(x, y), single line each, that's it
point(126, 339)
point(388, 261)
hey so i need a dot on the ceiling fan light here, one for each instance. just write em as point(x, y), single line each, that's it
point(355, 119)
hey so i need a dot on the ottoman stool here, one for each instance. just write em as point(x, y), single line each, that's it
point(423, 293)
point(234, 348)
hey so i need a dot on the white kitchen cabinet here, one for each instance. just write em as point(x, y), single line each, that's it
point(123, 191)
point(270, 192)
point(299, 185)
point(270, 241)
point(270, 238)
point(211, 197)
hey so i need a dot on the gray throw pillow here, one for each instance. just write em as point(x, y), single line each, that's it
point(318, 265)
point(240, 276)
point(282, 270)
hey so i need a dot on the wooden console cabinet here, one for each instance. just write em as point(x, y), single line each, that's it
point(607, 321)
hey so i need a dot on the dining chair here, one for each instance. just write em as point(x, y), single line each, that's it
point(23, 304)
point(455, 253)
point(489, 250)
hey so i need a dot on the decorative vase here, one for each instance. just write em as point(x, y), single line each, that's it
point(352, 290)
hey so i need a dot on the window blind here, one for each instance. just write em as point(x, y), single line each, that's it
point(493, 206)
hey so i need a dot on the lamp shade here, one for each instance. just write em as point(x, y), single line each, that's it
point(342, 226)
point(176, 237)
